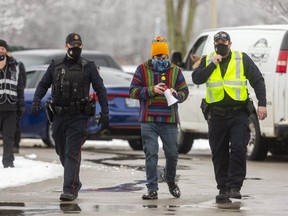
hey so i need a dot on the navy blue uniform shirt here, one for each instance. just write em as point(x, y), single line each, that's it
point(93, 76)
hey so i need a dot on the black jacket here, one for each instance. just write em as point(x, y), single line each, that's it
point(93, 76)
point(12, 63)
point(251, 71)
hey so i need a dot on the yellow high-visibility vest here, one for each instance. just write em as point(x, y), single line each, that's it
point(234, 81)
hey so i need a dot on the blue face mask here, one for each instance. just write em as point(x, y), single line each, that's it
point(160, 65)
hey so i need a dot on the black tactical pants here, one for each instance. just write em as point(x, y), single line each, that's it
point(8, 129)
point(69, 133)
point(17, 138)
point(228, 139)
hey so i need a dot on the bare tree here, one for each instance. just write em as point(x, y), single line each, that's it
point(276, 10)
point(125, 28)
point(180, 23)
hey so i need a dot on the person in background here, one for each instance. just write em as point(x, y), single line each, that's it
point(227, 108)
point(196, 61)
point(157, 119)
point(20, 112)
point(11, 99)
point(71, 108)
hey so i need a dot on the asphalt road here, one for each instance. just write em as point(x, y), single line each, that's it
point(113, 181)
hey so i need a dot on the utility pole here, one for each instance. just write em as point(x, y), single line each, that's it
point(157, 30)
point(214, 14)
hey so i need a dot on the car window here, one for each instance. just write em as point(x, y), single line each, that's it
point(109, 77)
point(33, 77)
point(120, 78)
point(196, 52)
point(35, 59)
point(32, 60)
point(100, 61)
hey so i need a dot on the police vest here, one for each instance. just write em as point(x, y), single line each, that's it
point(234, 82)
point(8, 83)
point(70, 84)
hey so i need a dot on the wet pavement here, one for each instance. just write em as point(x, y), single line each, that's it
point(114, 180)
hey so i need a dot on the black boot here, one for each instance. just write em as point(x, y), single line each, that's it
point(151, 195)
point(66, 196)
point(174, 189)
point(222, 197)
point(234, 193)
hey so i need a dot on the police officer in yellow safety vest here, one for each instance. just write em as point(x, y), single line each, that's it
point(226, 108)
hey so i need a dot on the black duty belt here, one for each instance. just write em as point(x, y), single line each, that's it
point(59, 110)
point(223, 111)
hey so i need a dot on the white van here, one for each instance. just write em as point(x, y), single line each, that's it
point(267, 45)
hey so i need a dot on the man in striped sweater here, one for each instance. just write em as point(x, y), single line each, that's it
point(157, 119)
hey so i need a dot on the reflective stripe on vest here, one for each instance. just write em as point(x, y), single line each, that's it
point(8, 85)
point(234, 82)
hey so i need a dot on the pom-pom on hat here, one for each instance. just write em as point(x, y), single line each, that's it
point(159, 46)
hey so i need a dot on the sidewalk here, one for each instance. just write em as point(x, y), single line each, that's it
point(113, 183)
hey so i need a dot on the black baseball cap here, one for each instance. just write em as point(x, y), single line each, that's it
point(222, 35)
point(73, 38)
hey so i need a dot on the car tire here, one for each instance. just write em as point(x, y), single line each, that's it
point(257, 147)
point(49, 141)
point(136, 144)
point(185, 142)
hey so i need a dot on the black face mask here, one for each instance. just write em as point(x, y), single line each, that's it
point(221, 49)
point(74, 52)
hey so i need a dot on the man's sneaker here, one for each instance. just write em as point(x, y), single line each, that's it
point(222, 197)
point(174, 189)
point(151, 195)
point(234, 193)
point(66, 196)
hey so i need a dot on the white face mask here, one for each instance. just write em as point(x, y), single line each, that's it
point(2, 61)
point(2, 57)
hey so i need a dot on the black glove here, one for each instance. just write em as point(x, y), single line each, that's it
point(20, 111)
point(104, 121)
point(35, 108)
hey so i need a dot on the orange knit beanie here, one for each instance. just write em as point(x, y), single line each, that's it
point(159, 46)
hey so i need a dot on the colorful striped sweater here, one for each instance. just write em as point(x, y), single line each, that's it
point(154, 108)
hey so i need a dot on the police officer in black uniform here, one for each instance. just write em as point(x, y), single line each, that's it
point(225, 107)
point(71, 107)
point(11, 101)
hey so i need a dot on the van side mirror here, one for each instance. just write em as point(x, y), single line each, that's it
point(176, 58)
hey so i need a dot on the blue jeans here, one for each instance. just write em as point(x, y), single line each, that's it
point(168, 134)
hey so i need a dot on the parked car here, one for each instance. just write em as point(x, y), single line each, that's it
point(129, 68)
point(45, 56)
point(123, 111)
point(267, 45)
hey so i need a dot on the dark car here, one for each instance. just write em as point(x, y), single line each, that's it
point(123, 111)
point(45, 56)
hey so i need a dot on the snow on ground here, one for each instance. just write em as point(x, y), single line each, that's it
point(28, 169)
